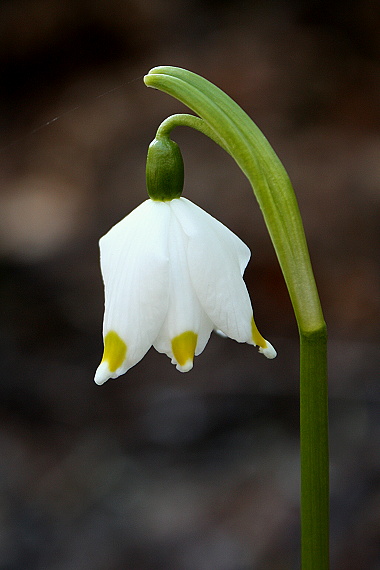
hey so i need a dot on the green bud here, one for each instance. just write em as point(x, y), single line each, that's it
point(164, 170)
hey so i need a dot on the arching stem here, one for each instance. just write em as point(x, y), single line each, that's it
point(221, 119)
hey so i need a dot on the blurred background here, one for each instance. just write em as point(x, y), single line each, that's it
point(160, 470)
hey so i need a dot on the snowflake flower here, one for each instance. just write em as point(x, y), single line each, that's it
point(172, 273)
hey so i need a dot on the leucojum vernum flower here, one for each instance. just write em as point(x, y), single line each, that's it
point(172, 273)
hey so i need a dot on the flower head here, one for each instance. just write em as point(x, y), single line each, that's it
point(172, 273)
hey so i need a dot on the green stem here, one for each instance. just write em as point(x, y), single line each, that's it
point(185, 120)
point(228, 125)
point(314, 450)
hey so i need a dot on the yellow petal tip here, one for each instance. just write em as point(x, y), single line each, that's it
point(115, 352)
point(265, 346)
point(269, 351)
point(183, 347)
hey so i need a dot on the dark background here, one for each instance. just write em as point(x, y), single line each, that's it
point(160, 470)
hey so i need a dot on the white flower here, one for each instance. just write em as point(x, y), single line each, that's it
point(172, 274)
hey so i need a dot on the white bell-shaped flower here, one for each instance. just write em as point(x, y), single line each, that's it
point(172, 273)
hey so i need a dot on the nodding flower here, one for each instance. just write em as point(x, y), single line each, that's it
point(172, 273)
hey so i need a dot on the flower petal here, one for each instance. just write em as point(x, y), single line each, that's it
point(192, 218)
point(186, 328)
point(217, 259)
point(264, 345)
point(135, 268)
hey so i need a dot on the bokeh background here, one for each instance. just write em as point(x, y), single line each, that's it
point(159, 470)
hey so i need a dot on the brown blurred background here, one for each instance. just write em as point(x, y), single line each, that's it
point(159, 470)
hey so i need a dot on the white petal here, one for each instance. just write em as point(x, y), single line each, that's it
point(192, 218)
point(134, 263)
point(269, 351)
point(217, 259)
point(185, 314)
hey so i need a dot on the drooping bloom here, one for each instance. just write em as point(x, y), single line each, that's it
point(172, 273)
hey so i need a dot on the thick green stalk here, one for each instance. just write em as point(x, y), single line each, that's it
point(314, 451)
point(227, 124)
